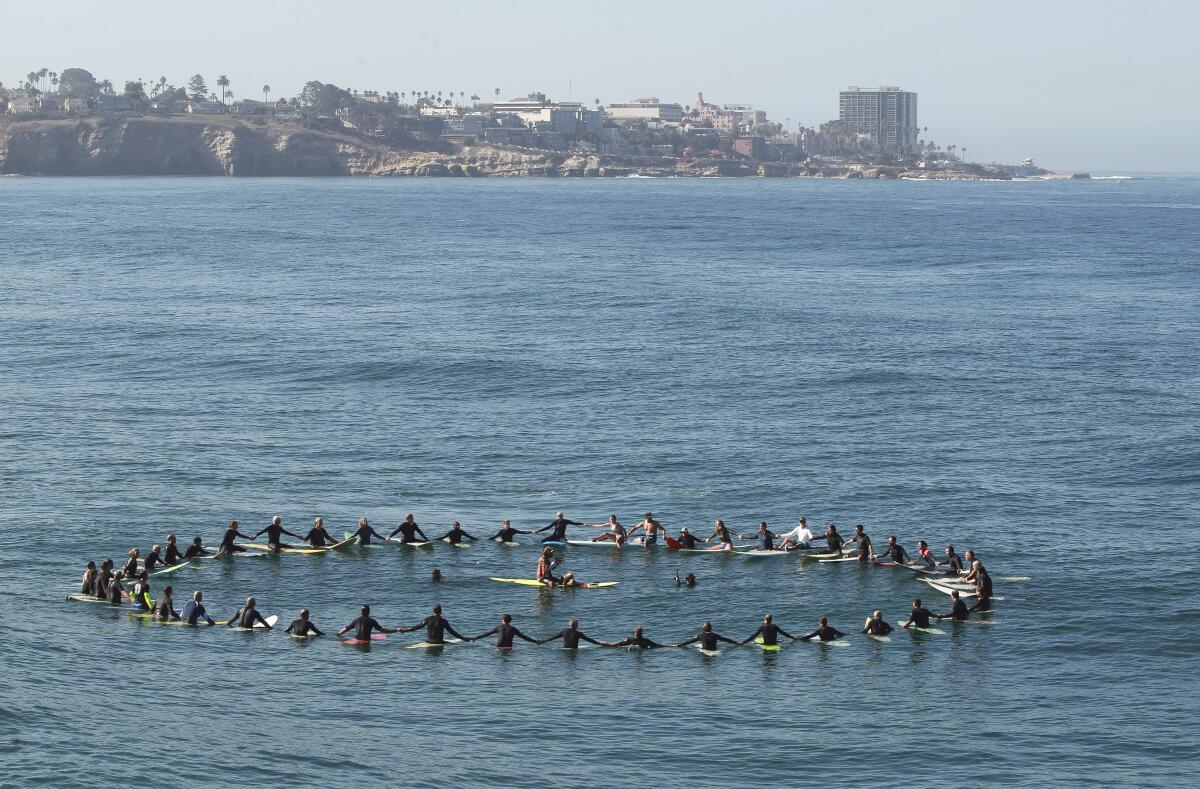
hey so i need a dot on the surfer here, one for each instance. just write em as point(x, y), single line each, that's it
point(799, 537)
point(193, 610)
point(303, 626)
point(651, 527)
point(689, 580)
point(546, 565)
point(436, 576)
point(408, 530)
point(865, 549)
point(765, 537)
point(953, 561)
point(977, 570)
point(559, 526)
point(153, 559)
point(114, 589)
point(616, 532)
point(104, 578)
point(436, 628)
point(895, 551)
point(364, 532)
point(832, 538)
point(171, 556)
point(636, 641)
point(925, 558)
point(687, 539)
point(958, 609)
point(195, 549)
point(131, 564)
point(247, 616)
point(571, 635)
point(231, 534)
point(164, 608)
point(364, 624)
point(141, 592)
point(983, 594)
point(707, 638)
point(507, 532)
point(505, 632)
point(456, 535)
point(875, 625)
point(87, 584)
point(317, 536)
point(823, 632)
point(275, 532)
point(919, 615)
point(770, 633)
point(723, 536)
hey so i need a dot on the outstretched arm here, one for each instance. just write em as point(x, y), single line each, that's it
point(752, 636)
point(554, 637)
point(455, 633)
point(481, 636)
point(519, 634)
point(810, 636)
point(692, 640)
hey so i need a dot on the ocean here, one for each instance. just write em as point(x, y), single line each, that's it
point(1008, 367)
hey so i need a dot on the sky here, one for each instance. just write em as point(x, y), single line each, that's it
point(1099, 86)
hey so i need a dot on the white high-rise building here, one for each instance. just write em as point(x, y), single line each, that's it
point(887, 115)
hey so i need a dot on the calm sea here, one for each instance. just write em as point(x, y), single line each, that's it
point(1011, 367)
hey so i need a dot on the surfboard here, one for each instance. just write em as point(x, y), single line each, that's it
point(423, 544)
point(935, 631)
point(578, 585)
point(261, 546)
point(86, 598)
point(306, 551)
point(508, 543)
point(825, 555)
point(673, 543)
point(427, 645)
point(883, 639)
point(171, 569)
point(304, 637)
point(271, 620)
point(843, 559)
point(766, 647)
point(460, 544)
point(354, 641)
point(947, 590)
point(337, 546)
point(709, 652)
point(591, 544)
point(758, 553)
point(881, 563)
point(718, 551)
point(837, 642)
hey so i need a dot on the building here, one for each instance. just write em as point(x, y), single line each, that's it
point(568, 118)
point(887, 116)
point(648, 109)
point(22, 102)
point(76, 105)
point(205, 107)
point(750, 147)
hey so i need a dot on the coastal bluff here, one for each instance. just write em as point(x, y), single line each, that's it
point(207, 146)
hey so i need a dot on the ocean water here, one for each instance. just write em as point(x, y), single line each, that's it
point(1008, 367)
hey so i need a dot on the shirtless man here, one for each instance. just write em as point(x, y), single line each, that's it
point(651, 527)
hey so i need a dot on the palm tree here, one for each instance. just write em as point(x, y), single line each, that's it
point(54, 79)
point(223, 83)
point(474, 98)
point(963, 153)
point(42, 72)
point(497, 94)
point(461, 97)
point(266, 93)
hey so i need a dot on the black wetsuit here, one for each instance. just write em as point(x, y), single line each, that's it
point(363, 627)
point(983, 600)
point(112, 592)
point(825, 633)
point(708, 640)
point(636, 643)
point(246, 617)
point(302, 627)
point(954, 563)
point(506, 535)
point(689, 540)
point(766, 540)
point(319, 538)
point(227, 539)
point(173, 555)
point(364, 534)
point(571, 637)
point(958, 611)
point(152, 561)
point(194, 550)
point(408, 533)
point(877, 627)
point(131, 567)
point(275, 535)
point(897, 553)
point(560, 530)
point(770, 633)
point(835, 542)
point(864, 546)
point(141, 590)
point(103, 579)
point(505, 633)
point(436, 628)
point(456, 535)
point(919, 617)
point(164, 610)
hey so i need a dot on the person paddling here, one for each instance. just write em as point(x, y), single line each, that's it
point(708, 639)
point(505, 632)
point(408, 530)
point(571, 635)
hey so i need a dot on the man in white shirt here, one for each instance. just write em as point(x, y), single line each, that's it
point(798, 537)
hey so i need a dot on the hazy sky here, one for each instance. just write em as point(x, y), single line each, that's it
point(1076, 85)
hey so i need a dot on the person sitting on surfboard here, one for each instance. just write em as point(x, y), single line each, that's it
point(832, 538)
point(925, 557)
point(193, 610)
point(364, 624)
point(559, 525)
point(231, 534)
point(505, 632)
point(317, 536)
point(164, 607)
point(153, 560)
point(131, 564)
point(799, 537)
point(545, 566)
point(895, 551)
point(436, 628)
point(616, 532)
point(976, 569)
point(707, 638)
point(953, 561)
point(114, 590)
point(195, 549)
point(721, 532)
point(507, 532)
point(919, 615)
point(247, 616)
point(87, 584)
point(275, 532)
point(408, 529)
point(303, 626)
point(651, 527)
point(875, 626)
point(823, 632)
point(636, 641)
point(456, 535)
point(865, 549)
point(770, 633)
point(104, 578)
point(171, 556)
point(764, 536)
point(141, 592)
point(571, 635)
point(958, 609)
point(364, 533)
point(983, 593)
point(687, 539)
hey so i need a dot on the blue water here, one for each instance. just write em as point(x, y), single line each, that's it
point(1008, 367)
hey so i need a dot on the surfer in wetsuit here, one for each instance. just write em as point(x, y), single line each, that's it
point(114, 589)
point(651, 527)
point(153, 559)
point(364, 532)
point(708, 639)
point(559, 525)
point(247, 616)
point(164, 608)
point(545, 566)
point(976, 570)
point(303, 626)
point(823, 632)
point(983, 593)
point(231, 534)
point(875, 626)
point(131, 564)
point(895, 551)
point(958, 609)
point(87, 584)
point(918, 616)
point(636, 641)
point(865, 549)
point(505, 632)
point(364, 624)
point(925, 558)
point(193, 610)
point(764, 536)
point(195, 549)
point(571, 635)
point(616, 532)
point(770, 633)
point(507, 533)
point(436, 628)
point(275, 532)
point(456, 535)
point(317, 536)
point(408, 530)
point(799, 537)
point(104, 578)
point(141, 592)
point(721, 532)
point(832, 538)
point(687, 539)
point(171, 556)
point(688, 581)
point(953, 561)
